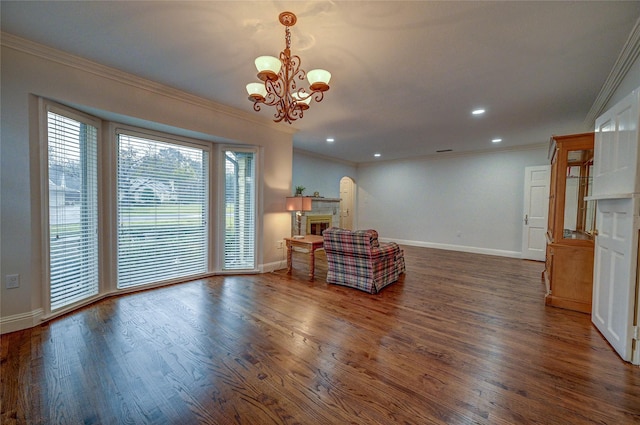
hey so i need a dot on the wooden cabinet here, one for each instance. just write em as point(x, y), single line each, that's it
point(569, 256)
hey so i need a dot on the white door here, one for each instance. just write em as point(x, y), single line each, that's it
point(346, 202)
point(614, 280)
point(616, 159)
point(536, 209)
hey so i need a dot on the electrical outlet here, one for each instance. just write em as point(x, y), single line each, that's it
point(12, 281)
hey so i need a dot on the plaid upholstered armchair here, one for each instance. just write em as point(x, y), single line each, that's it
point(358, 260)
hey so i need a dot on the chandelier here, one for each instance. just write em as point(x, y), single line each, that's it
point(280, 77)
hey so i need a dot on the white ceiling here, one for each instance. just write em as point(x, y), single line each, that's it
point(406, 75)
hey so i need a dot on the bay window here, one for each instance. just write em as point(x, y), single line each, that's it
point(134, 210)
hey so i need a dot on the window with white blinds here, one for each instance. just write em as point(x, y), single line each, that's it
point(73, 209)
point(240, 210)
point(161, 210)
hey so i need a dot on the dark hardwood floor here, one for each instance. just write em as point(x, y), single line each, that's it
point(461, 339)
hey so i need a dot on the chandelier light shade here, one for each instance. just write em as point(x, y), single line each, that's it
point(319, 79)
point(280, 78)
point(268, 67)
point(257, 91)
point(302, 103)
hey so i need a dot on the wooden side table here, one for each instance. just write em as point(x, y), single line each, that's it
point(310, 242)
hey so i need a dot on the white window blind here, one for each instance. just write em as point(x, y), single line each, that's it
point(162, 210)
point(240, 210)
point(73, 209)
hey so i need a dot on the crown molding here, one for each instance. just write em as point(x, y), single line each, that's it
point(628, 55)
point(324, 157)
point(49, 53)
point(488, 151)
point(454, 154)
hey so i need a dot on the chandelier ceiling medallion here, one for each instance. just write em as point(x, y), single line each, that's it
point(280, 78)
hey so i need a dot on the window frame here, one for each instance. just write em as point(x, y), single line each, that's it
point(45, 106)
point(222, 207)
point(115, 131)
point(107, 163)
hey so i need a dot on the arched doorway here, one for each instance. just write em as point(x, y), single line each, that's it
point(347, 196)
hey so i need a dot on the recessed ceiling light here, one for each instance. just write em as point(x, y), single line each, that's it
point(496, 140)
point(330, 139)
point(377, 155)
point(478, 111)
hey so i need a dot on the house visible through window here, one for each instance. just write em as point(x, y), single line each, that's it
point(73, 209)
point(162, 210)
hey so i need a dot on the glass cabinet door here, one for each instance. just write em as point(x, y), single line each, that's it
point(579, 216)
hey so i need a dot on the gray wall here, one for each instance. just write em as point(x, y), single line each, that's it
point(467, 202)
point(320, 174)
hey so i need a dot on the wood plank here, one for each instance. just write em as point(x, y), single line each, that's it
point(461, 338)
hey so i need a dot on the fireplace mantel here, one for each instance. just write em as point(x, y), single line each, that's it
point(314, 199)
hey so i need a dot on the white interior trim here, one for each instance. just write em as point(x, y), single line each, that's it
point(21, 321)
point(461, 248)
point(103, 71)
point(628, 55)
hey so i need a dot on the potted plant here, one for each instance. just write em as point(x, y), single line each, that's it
point(299, 190)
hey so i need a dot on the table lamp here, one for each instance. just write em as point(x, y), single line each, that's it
point(299, 204)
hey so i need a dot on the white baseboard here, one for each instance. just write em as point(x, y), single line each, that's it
point(270, 267)
point(21, 321)
point(461, 248)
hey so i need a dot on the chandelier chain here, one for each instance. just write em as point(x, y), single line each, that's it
point(287, 38)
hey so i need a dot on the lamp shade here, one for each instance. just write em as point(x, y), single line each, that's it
point(268, 67)
point(256, 89)
point(302, 103)
point(298, 203)
point(319, 79)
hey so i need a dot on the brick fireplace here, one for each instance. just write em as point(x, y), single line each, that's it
point(325, 213)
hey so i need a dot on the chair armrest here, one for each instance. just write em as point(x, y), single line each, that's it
point(386, 249)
